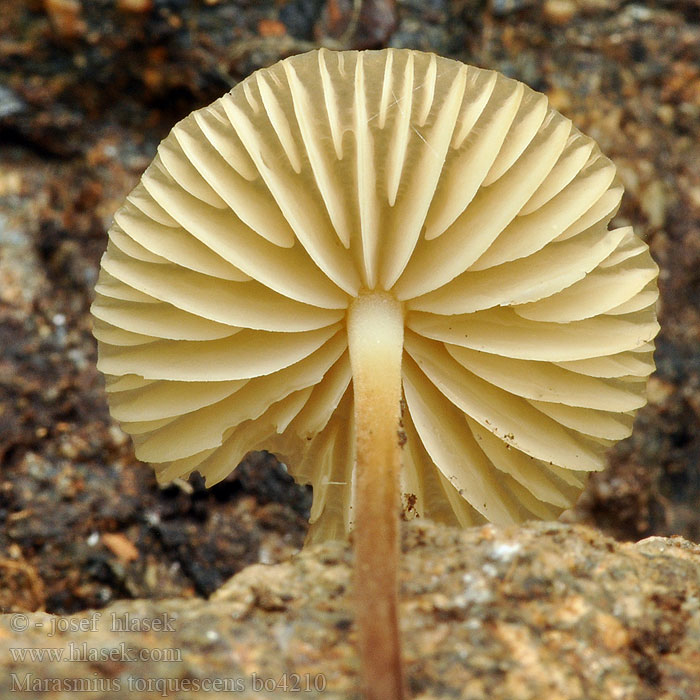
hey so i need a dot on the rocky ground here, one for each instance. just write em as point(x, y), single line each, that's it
point(87, 90)
point(547, 611)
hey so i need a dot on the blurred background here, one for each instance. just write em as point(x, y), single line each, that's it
point(87, 90)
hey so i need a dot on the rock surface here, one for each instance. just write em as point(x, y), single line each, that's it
point(545, 611)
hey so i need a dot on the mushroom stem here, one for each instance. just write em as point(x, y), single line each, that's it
point(375, 339)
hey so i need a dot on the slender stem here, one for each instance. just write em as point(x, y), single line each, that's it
point(375, 338)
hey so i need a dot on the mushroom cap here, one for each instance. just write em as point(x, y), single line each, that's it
point(221, 303)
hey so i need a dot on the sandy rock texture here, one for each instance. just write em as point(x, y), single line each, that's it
point(544, 611)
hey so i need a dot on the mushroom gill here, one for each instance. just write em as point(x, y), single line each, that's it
point(380, 258)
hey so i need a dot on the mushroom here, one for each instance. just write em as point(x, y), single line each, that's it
point(395, 272)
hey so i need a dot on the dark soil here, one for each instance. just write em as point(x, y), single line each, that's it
point(88, 89)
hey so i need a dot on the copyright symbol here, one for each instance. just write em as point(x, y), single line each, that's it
point(19, 622)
